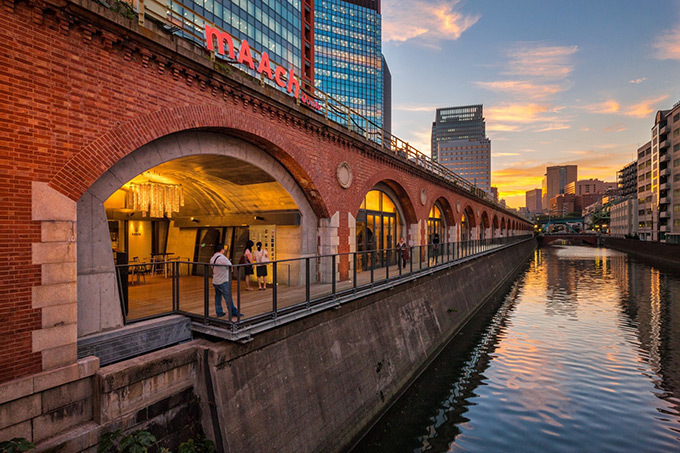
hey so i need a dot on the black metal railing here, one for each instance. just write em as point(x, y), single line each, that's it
point(294, 286)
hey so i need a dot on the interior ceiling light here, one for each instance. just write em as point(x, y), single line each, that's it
point(155, 199)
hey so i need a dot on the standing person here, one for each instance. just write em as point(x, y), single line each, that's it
point(404, 256)
point(435, 246)
point(248, 259)
point(262, 258)
point(222, 282)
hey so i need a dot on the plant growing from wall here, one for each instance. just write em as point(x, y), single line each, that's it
point(137, 442)
point(198, 445)
point(16, 445)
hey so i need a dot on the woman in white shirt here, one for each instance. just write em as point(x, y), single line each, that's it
point(262, 258)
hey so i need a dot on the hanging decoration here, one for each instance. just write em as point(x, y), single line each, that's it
point(155, 199)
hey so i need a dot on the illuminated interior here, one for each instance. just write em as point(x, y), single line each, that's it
point(378, 227)
point(436, 225)
point(181, 208)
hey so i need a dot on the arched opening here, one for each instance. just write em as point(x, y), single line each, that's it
point(494, 227)
point(173, 200)
point(503, 228)
point(468, 224)
point(436, 225)
point(486, 225)
point(379, 225)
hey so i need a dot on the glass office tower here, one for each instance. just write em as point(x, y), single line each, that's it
point(274, 26)
point(348, 57)
point(459, 143)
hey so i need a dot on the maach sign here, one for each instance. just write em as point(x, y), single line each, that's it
point(279, 75)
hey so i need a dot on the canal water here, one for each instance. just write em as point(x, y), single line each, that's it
point(582, 355)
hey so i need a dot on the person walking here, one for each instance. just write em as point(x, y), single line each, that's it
point(262, 258)
point(221, 281)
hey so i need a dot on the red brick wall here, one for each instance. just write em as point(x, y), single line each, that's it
point(75, 97)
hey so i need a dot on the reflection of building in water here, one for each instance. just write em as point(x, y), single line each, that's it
point(650, 299)
point(562, 279)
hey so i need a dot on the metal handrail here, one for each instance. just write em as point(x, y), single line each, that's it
point(375, 263)
point(192, 23)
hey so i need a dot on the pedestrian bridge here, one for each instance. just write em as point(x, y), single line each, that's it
point(568, 239)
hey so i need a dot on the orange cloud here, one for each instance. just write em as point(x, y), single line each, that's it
point(637, 81)
point(645, 108)
point(404, 20)
point(553, 127)
point(618, 127)
point(523, 89)
point(416, 108)
point(667, 46)
point(516, 113)
point(537, 60)
point(499, 127)
point(610, 106)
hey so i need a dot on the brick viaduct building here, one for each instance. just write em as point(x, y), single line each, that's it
point(82, 89)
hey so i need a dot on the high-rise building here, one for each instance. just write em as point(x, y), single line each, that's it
point(627, 179)
point(457, 123)
point(557, 178)
point(333, 45)
point(275, 26)
point(460, 144)
point(348, 56)
point(533, 201)
point(646, 207)
point(386, 97)
point(658, 168)
point(667, 130)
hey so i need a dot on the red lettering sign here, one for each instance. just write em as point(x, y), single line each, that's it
point(245, 57)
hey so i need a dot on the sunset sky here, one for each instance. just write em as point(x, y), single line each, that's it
point(568, 82)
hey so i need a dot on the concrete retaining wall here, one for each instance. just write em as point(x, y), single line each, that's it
point(316, 384)
point(312, 385)
point(69, 409)
point(656, 253)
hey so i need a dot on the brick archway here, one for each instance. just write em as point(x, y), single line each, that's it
point(98, 306)
point(90, 163)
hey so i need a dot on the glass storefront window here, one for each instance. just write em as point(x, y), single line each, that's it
point(378, 229)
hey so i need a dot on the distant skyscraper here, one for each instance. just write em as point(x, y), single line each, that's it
point(557, 178)
point(460, 144)
point(533, 201)
point(456, 123)
point(348, 55)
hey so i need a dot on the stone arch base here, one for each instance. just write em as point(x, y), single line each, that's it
point(98, 302)
point(56, 294)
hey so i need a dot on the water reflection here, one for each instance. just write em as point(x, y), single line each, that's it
point(583, 355)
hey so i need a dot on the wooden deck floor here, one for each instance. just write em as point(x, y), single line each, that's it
point(153, 294)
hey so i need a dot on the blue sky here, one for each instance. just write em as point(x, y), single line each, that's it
point(561, 81)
